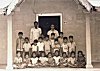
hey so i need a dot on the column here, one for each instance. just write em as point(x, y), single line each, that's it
point(9, 43)
point(88, 42)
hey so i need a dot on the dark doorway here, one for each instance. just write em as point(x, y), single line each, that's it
point(46, 21)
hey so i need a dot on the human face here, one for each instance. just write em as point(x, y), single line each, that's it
point(52, 27)
point(18, 55)
point(64, 55)
point(27, 40)
point(20, 35)
point(56, 42)
point(56, 53)
point(43, 55)
point(36, 25)
point(49, 55)
point(80, 54)
point(46, 38)
point(40, 40)
point(26, 56)
point(71, 39)
point(73, 55)
point(34, 55)
point(52, 36)
point(61, 35)
point(65, 40)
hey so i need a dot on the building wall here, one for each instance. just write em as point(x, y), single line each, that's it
point(73, 23)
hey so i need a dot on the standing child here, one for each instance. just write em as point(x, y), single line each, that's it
point(26, 46)
point(40, 45)
point(19, 43)
point(47, 45)
point(72, 60)
point(57, 57)
point(60, 38)
point(72, 45)
point(18, 61)
point(81, 61)
point(52, 38)
point(64, 60)
point(43, 59)
point(65, 45)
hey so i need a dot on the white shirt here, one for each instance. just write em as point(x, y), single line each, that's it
point(34, 47)
point(47, 45)
point(34, 60)
point(43, 59)
point(56, 59)
point(55, 31)
point(52, 42)
point(72, 60)
point(17, 60)
point(40, 46)
point(71, 46)
point(34, 34)
point(26, 47)
point(65, 47)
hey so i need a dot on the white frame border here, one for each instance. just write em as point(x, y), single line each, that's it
point(51, 14)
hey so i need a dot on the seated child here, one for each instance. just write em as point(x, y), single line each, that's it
point(43, 59)
point(18, 61)
point(63, 60)
point(57, 57)
point(33, 60)
point(72, 60)
point(60, 38)
point(47, 44)
point(50, 61)
point(52, 38)
point(72, 45)
point(40, 45)
point(34, 46)
point(55, 46)
point(64, 45)
point(26, 46)
point(81, 62)
point(26, 61)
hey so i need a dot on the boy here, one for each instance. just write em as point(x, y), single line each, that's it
point(26, 46)
point(18, 61)
point(60, 38)
point(71, 45)
point(40, 45)
point(52, 38)
point(19, 43)
point(47, 45)
point(65, 45)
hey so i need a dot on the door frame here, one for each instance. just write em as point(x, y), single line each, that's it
point(51, 14)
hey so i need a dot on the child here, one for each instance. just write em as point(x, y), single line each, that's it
point(18, 61)
point(72, 60)
point(81, 62)
point(26, 46)
point(47, 45)
point(51, 61)
point(19, 43)
point(57, 57)
point(65, 45)
point(56, 46)
point(40, 45)
point(52, 38)
point(33, 60)
point(60, 38)
point(71, 45)
point(34, 46)
point(43, 59)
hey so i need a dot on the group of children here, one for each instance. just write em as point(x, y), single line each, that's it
point(48, 52)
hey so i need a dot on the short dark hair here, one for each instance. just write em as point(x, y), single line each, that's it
point(26, 38)
point(56, 39)
point(72, 53)
point(65, 38)
point(35, 41)
point(40, 38)
point(70, 36)
point(20, 33)
point(52, 34)
point(35, 22)
point(61, 33)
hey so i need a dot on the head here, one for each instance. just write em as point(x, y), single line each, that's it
point(42, 35)
point(56, 53)
point(40, 39)
point(26, 39)
point(47, 38)
point(49, 55)
point(61, 34)
point(52, 27)
point(71, 38)
point(26, 56)
point(43, 54)
point(36, 24)
point(56, 41)
point(34, 54)
point(72, 54)
point(20, 34)
point(18, 54)
point(80, 54)
point(52, 35)
point(35, 42)
point(65, 39)
point(64, 55)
